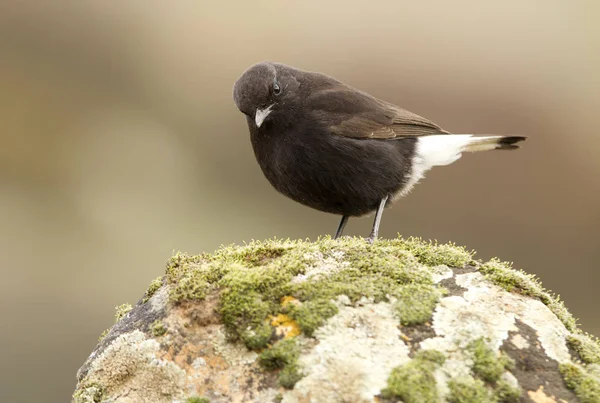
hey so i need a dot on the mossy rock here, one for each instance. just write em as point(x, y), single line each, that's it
point(342, 320)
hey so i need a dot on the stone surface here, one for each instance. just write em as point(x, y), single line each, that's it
point(296, 321)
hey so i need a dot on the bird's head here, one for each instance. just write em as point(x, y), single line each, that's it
point(267, 91)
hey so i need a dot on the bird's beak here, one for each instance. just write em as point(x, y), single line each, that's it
point(261, 115)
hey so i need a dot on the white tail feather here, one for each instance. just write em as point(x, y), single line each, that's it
point(433, 151)
point(444, 149)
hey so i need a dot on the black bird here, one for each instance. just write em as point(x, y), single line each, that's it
point(340, 150)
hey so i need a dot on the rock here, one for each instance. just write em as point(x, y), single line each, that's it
point(342, 321)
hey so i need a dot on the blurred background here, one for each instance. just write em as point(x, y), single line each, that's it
point(120, 143)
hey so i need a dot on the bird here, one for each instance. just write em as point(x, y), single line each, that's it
point(337, 149)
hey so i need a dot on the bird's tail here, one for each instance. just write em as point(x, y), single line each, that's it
point(444, 149)
point(485, 143)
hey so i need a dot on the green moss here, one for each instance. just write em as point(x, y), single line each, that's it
point(90, 393)
point(433, 254)
point(487, 365)
point(312, 314)
point(152, 288)
point(512, 280)
point(593, 370)
point(507, 393)
point(103, 334)
point(196, 399)
point(257, 337)
point(414, 381)
point(252, 279)
point(283, 355)
point(468, 390)
point(158, 328)
point(587, 346)
point(433, 356)
point(121, 311)
point(290, 375)
point(416, 302)
point(585, 385)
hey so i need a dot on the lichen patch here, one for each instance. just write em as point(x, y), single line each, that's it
point(441, 272)
point(519, 341)
point(356, 351)
point(132, 360)
point(459, 319)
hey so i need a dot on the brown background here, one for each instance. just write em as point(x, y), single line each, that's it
point(120, 143)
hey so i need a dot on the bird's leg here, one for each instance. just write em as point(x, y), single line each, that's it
point(340, 229)
point(378, 214)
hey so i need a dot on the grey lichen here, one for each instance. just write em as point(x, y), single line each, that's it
point(512, 280)
point(132, 359)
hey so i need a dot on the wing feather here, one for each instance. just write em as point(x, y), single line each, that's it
point(352, 113)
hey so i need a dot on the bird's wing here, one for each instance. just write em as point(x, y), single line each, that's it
point(353, 113)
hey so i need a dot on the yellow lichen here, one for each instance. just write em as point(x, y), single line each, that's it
point(285, 326)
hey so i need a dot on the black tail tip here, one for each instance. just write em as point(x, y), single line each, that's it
point(510, 142)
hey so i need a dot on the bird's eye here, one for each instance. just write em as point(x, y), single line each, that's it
point(276, 88)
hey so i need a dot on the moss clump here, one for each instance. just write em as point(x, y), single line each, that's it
point(487, 365)
point(103, 334)
point(507, 393)
point(414, 381)
point(252, 280)
point(468, 390)
point(433, 254)
point(311, 315)
point(512, 280)
point(189, 286)
point(257, 337)
point(152, 288)
point(196, 399)
point(587, 346)
point(412, 313)
point(290, 375)
point(121, 311)
point(90, 393)
point(283, 355)
point(585, 385)
point(472, 390)
point(158, 328)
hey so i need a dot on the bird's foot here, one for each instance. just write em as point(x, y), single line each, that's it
point(371, 239)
